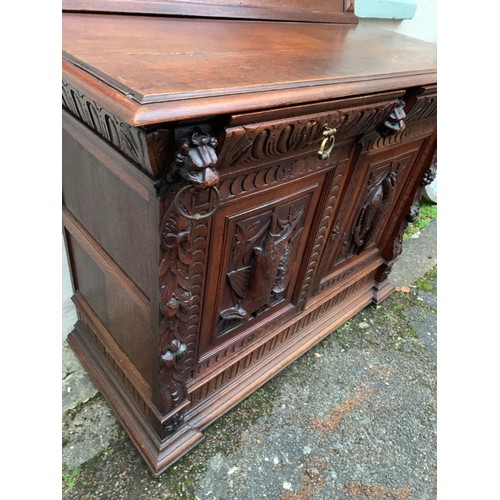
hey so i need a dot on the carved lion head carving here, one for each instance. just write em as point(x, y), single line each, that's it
point(196, 159)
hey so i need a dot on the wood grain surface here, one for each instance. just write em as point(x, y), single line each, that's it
point(151, 68)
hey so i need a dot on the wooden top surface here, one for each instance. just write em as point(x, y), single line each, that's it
point(153, 69)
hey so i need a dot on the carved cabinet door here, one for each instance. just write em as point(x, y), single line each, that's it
point(257, 251)
point(377, 181)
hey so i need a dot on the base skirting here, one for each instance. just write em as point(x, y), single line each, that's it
point(211, 397)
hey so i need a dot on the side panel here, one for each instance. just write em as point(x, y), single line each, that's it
point(107, 195)
point(110, 219)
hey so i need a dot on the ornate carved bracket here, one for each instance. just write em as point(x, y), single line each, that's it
point(196, 159)
point(394, 123)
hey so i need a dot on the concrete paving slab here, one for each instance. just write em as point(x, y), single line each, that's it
point(418, 256)
point(77, 386)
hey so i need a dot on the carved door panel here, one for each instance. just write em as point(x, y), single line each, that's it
point(257, 255)
point(377, 182)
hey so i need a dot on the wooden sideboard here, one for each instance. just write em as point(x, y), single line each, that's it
point(236, 182)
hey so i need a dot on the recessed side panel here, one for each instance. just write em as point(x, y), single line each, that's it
point(112, 200)
point(123, 312)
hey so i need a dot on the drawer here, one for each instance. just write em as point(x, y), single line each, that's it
point(259, 138)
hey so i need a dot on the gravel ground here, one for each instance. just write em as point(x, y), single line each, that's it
point(355, 417)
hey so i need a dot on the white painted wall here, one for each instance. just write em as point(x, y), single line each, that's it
point(423, 25)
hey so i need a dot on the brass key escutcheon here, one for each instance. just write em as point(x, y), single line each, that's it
point(327, 143)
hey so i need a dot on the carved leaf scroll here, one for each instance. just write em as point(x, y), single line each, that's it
point(265, 141)
point(183, 248)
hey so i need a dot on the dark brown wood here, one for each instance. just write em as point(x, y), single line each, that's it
point(321, 11)
point(210, 245)
point(146, 70)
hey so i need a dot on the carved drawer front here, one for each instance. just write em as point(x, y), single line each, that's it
point(256, 256)
point(280, 134)
point(377, 182)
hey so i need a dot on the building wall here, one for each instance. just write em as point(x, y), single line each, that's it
point(422, 25)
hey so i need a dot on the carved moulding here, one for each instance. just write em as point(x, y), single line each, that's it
point(183, 245)
point(147, 148)
point(322, 233)
point(265, 177)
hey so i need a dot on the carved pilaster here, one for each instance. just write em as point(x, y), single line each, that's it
point(183, 233)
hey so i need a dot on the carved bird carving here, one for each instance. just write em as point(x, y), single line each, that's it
point(254, 283)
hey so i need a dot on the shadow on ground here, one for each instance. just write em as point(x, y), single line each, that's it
point(355, 417)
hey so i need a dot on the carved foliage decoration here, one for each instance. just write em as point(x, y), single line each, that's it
point(264, 248)
point(130, 140)
point(249, 182)
point(252, 143)
point(176, 346)
point(182, 267)
point(265, 141)
point(424, 108)
point(134, 142)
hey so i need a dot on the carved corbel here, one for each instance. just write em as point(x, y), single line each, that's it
point(196, 159)
point(394, 123)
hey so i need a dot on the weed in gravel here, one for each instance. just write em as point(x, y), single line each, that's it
point(69, 478)
point(426, 214)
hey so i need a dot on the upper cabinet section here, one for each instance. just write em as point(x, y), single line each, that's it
point(322, 11)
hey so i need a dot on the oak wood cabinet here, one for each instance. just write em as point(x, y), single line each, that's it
point(233, 190)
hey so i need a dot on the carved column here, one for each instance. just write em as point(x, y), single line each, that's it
point(183, 234)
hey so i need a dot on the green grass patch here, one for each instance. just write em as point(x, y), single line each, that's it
point(69, 478)
point(426, 214)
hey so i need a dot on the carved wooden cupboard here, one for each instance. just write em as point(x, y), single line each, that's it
point(233, 190)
